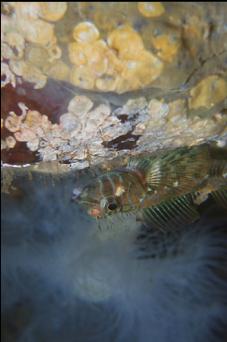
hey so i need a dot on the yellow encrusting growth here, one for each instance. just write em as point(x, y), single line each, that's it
point(208, 92)
point(167, 46)
point(119, 47)
point(126, 41)
point(113, 66)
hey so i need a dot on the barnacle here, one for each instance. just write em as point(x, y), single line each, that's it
point(102, 113)
point(134, 106)
point(10, 142)
point(25, 134)
point(91, 55)
point(13, 122)
point(151, 9)
point(16, 42)
point(37, 31)
point(167, 46)
point(82, 77)
point(124, 39)
point(158, 110)
point(33, 119)
point(29, 72)
point(85, 32)
point(54, 52)
point(77, 54)
point(52, 11)
point(143, 70)
point(106, 82)
point(115, 66)
point(80, 105)
point(69, 122)
point(28, 10)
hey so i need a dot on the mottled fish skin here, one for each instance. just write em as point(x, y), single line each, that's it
point(152, 180)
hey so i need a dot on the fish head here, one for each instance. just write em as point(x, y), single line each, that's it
point(108, 194)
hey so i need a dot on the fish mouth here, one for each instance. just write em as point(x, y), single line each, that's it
point(91, 205)
point(95, 212)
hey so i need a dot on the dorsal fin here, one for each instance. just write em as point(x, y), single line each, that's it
point(172, 213)
point(139, 162)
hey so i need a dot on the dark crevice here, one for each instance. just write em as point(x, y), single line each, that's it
point(123, 142)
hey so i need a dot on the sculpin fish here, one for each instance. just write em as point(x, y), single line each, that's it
point(166, 187)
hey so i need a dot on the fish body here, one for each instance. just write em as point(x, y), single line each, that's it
point(184, 175)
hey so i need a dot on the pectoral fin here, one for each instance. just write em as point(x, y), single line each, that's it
point(220, 196)
point(172, 213)
point(179, 170)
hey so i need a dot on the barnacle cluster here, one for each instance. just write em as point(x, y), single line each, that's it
point(169, 125)
point(118, 62)
point(43, 39)
point(106, 52)
point(85, 132)
point(113, 66)
point(79, 135)
point(29, 43)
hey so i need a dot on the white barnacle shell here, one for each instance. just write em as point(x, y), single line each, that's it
point(69, 122)
point(133, 106)
point(113, 131)
point(100, 113)
point(157, 109)
point(33, 145)
point(10, 142)
point(80, 105)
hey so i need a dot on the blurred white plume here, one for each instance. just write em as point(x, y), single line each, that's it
point(74, 282)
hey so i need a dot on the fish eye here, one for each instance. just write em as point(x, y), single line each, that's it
point(112, 206)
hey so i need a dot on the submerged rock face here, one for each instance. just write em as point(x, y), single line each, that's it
point(83, 83)
point(89, 132)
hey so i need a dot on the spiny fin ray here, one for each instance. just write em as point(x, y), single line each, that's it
point(172, 213)
point(220, 196)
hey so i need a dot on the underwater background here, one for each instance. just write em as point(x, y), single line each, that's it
point(66, 279)
point(85, 88)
